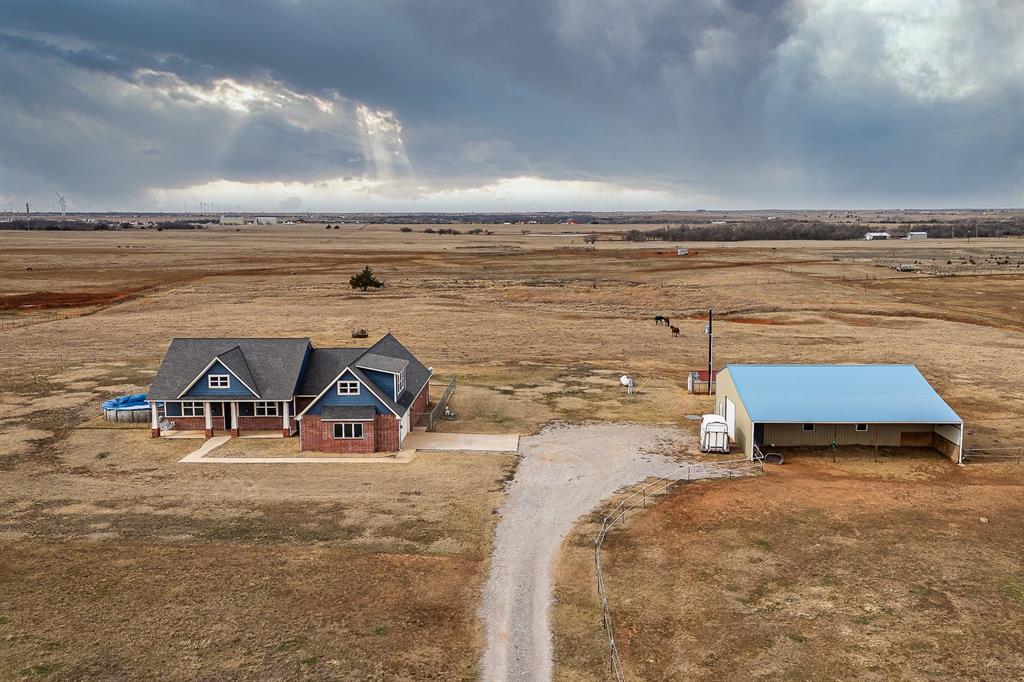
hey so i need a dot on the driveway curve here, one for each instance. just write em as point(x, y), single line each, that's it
point(564, 473)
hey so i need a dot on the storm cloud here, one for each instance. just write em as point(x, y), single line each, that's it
point(517, 106)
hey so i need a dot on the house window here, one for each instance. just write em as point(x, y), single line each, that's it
point(348, 388)
point(192, 410)
point(348, 430)
point(218, 381)
point(861, 427)
point(401, 382)
point(265, 409)
point(808, 427)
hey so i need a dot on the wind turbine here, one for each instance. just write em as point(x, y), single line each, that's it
point(62, 202)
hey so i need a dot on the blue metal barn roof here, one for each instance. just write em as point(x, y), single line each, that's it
point(837, 394)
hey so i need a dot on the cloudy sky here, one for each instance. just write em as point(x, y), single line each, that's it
point(493, 106)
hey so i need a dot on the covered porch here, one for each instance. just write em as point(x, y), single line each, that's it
point(228, 417)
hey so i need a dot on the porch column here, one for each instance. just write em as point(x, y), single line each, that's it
point(208, 416)
point(285, 427)
point(154, 421)
point(234, 418)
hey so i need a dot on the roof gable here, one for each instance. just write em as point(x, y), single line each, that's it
point(369, 394)
point(236, 388)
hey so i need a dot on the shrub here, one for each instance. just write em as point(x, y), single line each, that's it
point(365, 280)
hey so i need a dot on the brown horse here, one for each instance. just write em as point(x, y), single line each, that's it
point(675, 331)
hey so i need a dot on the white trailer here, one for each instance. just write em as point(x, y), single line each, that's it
point(714, 434)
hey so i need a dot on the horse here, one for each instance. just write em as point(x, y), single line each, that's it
point(675, 331)
point(658, 319)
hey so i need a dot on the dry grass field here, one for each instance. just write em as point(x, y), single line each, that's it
point(121, 563)
point(878, 570)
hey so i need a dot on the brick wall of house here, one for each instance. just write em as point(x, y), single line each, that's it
point(385, 426)
point(301, 403)
point(422, 400)
point(197, 423)
point(318, 435)
point(263, 423)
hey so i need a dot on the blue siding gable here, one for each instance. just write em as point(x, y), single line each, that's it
point(383, 381)
point(365, 397)
point(235, 387)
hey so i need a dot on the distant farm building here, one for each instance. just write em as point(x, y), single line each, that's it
point(697, 381)
point(835, 406)
point(877, 235)
point(266, 220)
point(682, 252)
point(917, 235)
point(232, 220)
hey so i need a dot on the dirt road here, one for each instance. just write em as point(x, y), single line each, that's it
point(564, 473)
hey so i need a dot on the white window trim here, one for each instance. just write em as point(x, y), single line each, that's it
point(349, 385)
point(804, 427)
point(352, 426)
point(197, 408)
point(400, 384)
point(269, 409)
point(856, 427)
point(223, 381)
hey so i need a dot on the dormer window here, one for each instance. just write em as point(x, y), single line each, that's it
point(218, 381)
point(348, 388)
point(401, 382)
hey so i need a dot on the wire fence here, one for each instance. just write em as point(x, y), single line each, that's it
point(1004, 454)
point(638, 500)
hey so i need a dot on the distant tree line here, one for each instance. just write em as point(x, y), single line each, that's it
point(787, 229)
point(52, 224)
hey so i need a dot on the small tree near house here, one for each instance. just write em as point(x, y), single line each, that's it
point(365, 280)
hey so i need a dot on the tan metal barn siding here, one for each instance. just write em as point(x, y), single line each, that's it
point(844, 434)
point(725, 388)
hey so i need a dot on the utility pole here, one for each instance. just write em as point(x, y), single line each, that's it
point(711, 336)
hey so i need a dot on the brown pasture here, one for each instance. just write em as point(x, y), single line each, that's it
point(119, 562)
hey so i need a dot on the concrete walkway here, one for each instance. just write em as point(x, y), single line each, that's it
point(461, 442)
point(206, 447)
point(414, 442)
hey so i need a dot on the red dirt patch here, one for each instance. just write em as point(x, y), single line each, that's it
point(63, 299)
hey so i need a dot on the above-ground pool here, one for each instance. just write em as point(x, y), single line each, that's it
point(127, 408)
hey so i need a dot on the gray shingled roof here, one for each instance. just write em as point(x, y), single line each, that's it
point(273, 367)
point(234, 360)
point(270, 366)
point(382, 363)
point(352, 412)
point(325, 364)
point(416, 373)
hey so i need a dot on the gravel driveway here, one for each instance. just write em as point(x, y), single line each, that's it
point(565, 472)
